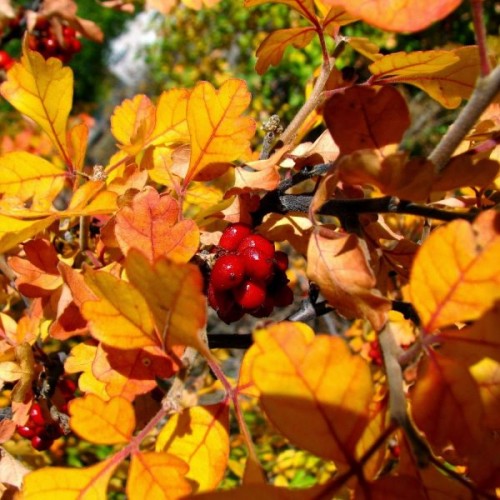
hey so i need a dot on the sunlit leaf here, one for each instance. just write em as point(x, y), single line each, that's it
point(271, 50)
point(42, 90)
point(339, 265)
point(304, 7)
point(102, 422)
point(120, 318)
point(29, 177)
point(151, 223)
point(294, 374)
point(397, 15)
point(174, 294)
point(366, 118)
point(60, 483)
point(199, 436)
point(219, 134)
point(14, 231)
point(456, 274)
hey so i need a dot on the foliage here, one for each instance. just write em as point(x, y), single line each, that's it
point(106, 270)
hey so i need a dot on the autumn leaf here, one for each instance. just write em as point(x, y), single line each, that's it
point(366, 118)
point(394, 15)
point(102, 422)
point(161, 475)
point(447, 78)
point(12, 471)
point(199, 436)
point(38, 275)
point(151, 224)
point(338, 264)
point(42, 90)
point(303, 7)
point(219, 134)
point(293, 373)
point(174, 294)
point(456, 274)
point(23, 371)
point(128, 373)
point(49, 483)
point(30, 177)
point(121, 317)
point(271, 50)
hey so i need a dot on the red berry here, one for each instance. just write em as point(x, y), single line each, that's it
point(36, 415)
point(74, 45)
point(281, 259)
point(40, 443)
point(50, 46)
point(51, 432)
point(250, 295)
point(265, 309)
point(69, 32)
point(233, 235)
point(225, 306)
point(5, 60)
point(283, 296)
point(228, 272)
point(67, 388)
point(259, 242)
point(257, 265)
point(26, 431)
point(42, 24)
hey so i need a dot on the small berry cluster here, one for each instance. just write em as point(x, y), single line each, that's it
point(249, 276)
point(375, 354)
point(6, 60)
point(44, 431)
point(44, 40)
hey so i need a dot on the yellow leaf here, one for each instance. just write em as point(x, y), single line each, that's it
point(158, 476)
point(174, 294)
point(313, 389)
point(199, 436)
point(456, 273)
point(14, 231)
point(42, 90)
point(339, 265)
point(270, 51)
point(121, 317)
point(27, 176)
point(218, 133)
point(447, 76)
point(60, 483)
point(102, 422)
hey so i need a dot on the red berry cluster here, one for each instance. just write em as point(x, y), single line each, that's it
point(44, 40)
point(43, 431)
point(5, 60)
point(375, 354)
point(249, 276)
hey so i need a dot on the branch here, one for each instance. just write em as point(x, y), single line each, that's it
point(480, 32)
point(484, 93)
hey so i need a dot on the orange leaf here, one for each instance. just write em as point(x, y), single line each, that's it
point(339, 265)
point(52, 483)
point(294, 373)
point(38, 274)
point(303, 7)
point(448, 78)
point(219, 134)
point(151, 224)
point(157, 475)
point(456, 274)
point(245, 179)
point(271, 50)
point(42, 90)
point(366, 118)
point(200, 437)
point(128, 373)
point(120, 318)
point(397, 15)
point(174, 293)
point(29, 177)
point(446, 405)
point(102, 422)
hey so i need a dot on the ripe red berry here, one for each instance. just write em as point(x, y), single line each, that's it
point(40, 443)
point(250, 295)
point(233, 235)
point(265, 309)
point(36, 415)
point(281, 259)
point(6, 61)
point(283, 296)
point(74, 45)
point(67, 388)
point(228, 272)
point(225, 306)
point(259, 242)
point(26, 431)
point(257, 265)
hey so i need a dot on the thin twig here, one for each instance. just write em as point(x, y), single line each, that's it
point(484, 93)
point(480, 32)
